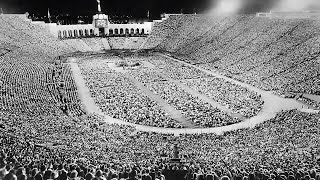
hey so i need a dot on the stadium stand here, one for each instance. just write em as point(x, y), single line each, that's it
point(105, 43)
point(161, 30)
point(126, 42)
point(69, 92)
point(267, 53)
point(248, 153)
point(78, 45)
point(116, 42)
point(94, 43)
point(28, 33)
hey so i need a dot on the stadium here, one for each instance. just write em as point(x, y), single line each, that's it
point(190, 96)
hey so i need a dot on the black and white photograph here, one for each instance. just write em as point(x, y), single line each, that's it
point(159, 89)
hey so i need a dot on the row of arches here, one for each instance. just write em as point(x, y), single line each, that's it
point(126, 31)
point(75, 33)
point(90, 32)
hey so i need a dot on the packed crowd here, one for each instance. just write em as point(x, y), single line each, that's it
point(147, 75)
point(176, 70)
point(89, 148)
point(22, 89)
point(126, 42)
point(32, 87)
point(235, 97)
point(311, 86)
point(290, 68)
point(145, 72)
point(78, 45)
point(95, 44)
point(310, 102)
point(270, 53)
point(118, 97)
point(31, 37)
point(69, 92)
point(161, 30)
point(194, 109)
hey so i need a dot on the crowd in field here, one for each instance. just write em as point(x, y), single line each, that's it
point(147, 75)
point(193, 109)
point(175, 70)
point(235, 97)
point(118, 97)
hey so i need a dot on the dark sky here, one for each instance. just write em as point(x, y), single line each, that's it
point(128, 7)
point(108, 6)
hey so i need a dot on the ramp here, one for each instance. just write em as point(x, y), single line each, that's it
point(105, 43)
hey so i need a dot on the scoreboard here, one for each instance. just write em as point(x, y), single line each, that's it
point(101, 23)
point(101, 20)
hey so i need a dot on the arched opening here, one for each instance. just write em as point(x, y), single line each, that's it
point(59, 34)
point(121, 31)
point(70, 33)
point(142, 31)
point(110, 32)
point(81, 33)
point(75, 32)
point(102, 32)
point(137, 31)
point(86, 32)
point(65, 35)
point(127, 31)
point(132, 31)
point(91, 32)
point(116, 31)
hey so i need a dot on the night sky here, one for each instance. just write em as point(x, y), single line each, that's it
point(134, 8)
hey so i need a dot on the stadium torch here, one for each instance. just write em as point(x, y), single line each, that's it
point(49, 16)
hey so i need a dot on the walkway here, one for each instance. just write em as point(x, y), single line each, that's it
point(312, 97)
point(272, 105)
point(83, 91)
point(175, 114)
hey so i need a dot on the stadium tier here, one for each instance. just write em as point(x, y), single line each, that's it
point(60, 99)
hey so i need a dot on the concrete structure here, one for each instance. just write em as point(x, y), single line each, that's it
point(70, 31)
point(100, 27)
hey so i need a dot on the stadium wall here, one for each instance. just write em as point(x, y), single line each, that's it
point(85, 30)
